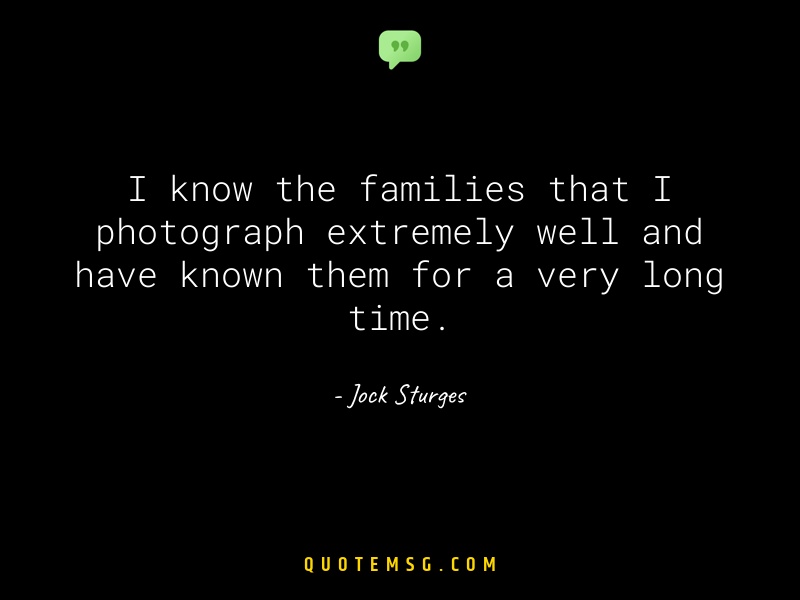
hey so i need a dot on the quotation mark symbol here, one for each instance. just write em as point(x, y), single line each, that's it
point(395, 47)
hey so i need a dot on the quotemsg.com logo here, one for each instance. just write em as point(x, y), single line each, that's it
point(395, 564)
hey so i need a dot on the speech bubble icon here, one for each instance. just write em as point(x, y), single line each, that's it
point(399, 46)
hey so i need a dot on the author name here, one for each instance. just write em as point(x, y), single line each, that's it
point(407, 394)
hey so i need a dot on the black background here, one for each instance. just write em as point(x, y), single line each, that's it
point(208, 450)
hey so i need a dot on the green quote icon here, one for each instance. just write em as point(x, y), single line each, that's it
point(399, 46)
